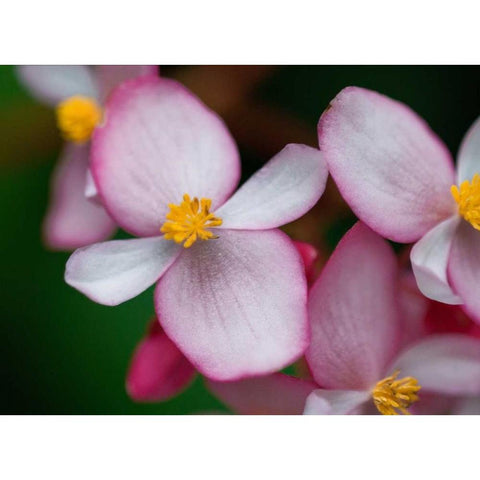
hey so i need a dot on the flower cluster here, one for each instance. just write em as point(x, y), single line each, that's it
point(236, 299)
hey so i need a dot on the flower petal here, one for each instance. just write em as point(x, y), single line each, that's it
point(354, 313)
point(468, 161)
point(236, 306)
point(158, 143)
point(91, 191)
point(110, 76)
point(335, 402)
point(464, 268)
point(467, 406)
point(113, 272)
point(53, 83)
point(443, 363)
point(158, 370)
point(283, 190)
point(72, 221)
point(309, 256)
point(429, 257)
point(276, 394)
point(392, 170)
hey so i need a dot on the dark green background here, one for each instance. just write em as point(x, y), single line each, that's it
point(64, 354)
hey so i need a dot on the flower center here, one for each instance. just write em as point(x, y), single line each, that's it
point(189, 221)
point(468, 200)
point(392, 396)
point(77, 116)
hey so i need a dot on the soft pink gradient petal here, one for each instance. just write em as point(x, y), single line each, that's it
point(276, 394)
point(91, 191)
point(429, 257)
point(158, 143)
point(444, 364)
point(110, 76)
point(114, 272)
point(283, 190)
point(335, 402)
point(468, 161)
point(51, 84)
point(158, 370)
point(236, 306)
point(467, 406)
point(72, 221)
point(354, 313)
point(390, 167)
point(309, 256)
point(464, 268)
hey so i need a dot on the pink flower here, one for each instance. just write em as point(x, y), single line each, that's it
point(356, 354)
point(399, 178)
point(158, 370)
point(77, 92)
point(232, 290)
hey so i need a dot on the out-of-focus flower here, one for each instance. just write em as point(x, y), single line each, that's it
point(159, 370)
point(355, 352)
point(232, 294)
point(77, 93)
point(399, 178)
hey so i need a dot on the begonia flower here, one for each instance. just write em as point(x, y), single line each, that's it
point(355, 352)
point(231, 291)
point(158, 369)
point(77, 93)
point(399, 178)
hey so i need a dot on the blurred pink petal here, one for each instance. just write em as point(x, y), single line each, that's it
point(244, 313)
point(110, 76)
point(158, 143)
point(354, 313)
point(468, 161)
point(309, 256)
point(53, 83)
point(335, 402)
point(283, 190)
point(276, 394)
point(158, 370)
point(72, 220)
point(392, 170)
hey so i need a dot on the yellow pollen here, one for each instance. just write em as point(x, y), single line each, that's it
point(77, 116)
point(468, 200)
point(189, 221)
point(392, 396)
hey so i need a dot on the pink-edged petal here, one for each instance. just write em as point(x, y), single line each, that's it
point(158, 143)
point(72, 221)
point(53, 83)
point(309, 256)
point(443, 363)
point(429, 259)
point(354, 313)
point(283, 190)
point(335, 402)
point(110, 76)
point(464, 268)
point(158, 370)
point(276, 394)
point(236, 306)
point(113, 272)
point(392, 170)
point(467, 406)
point(468, 161)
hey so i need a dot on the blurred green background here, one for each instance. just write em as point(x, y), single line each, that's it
point(63, 354)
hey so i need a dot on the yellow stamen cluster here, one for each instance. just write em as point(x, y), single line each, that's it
point(77, 116)
point(189, 221)
point(392, 396)
point(468, 200)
